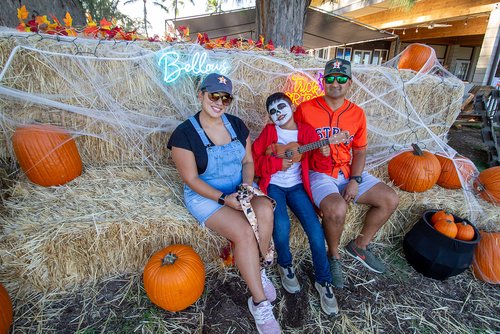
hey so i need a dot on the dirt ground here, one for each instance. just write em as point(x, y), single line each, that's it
point(398, 301)
point(465, 138)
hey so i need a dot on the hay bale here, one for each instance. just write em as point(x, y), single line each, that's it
point(112, 98)
point(120, 110)
point(110, 220)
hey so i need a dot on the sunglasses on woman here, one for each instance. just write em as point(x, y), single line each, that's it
point(226, 98)
point(331, 79)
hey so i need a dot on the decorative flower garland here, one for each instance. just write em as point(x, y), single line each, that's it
point(111, 31)
point(105, 30)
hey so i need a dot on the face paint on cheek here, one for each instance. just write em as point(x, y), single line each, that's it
point(283, 115)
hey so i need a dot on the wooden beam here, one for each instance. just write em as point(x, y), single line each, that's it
point(426, 11)
point(475, 26)
point(474, 40)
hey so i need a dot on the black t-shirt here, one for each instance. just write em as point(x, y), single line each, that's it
point(186, 137)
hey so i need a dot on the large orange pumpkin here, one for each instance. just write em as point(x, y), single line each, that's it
point(5, 311)
point(417, 57)
point(485, 263)
point(488, 185)
point(449, 177)
point(414, 171)
point(174, 277)
point(47, 154)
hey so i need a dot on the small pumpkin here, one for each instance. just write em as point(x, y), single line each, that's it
point(414, 171)
point(227, 255)
point(441, 214)
point(487, 185)
point(6, 313)
point(417, 57)
point(485, 263)
point(47, 154)
point(465, 231)
point(450, 170)
point(446, 227)
point(174, 277)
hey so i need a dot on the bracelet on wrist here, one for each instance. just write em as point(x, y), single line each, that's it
point(222, 199)
point(358, 179)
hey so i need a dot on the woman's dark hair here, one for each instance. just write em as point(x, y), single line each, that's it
point(275, 97)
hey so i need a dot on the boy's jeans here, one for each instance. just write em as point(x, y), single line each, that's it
point(300, 204)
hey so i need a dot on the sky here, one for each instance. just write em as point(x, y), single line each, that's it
point(157, 16)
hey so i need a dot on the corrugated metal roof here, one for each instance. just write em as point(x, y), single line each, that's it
point(321, 29)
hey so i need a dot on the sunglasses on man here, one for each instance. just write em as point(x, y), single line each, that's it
point(226, 98)
point(331, 79)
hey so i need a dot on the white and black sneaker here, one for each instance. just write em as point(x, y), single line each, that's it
point(327, 298)
point(288, 279)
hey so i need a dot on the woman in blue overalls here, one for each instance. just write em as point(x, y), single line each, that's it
point(212, 152)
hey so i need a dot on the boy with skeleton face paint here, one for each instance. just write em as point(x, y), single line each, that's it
point(287, 182)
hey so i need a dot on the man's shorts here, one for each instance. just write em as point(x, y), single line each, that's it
point(323, 185)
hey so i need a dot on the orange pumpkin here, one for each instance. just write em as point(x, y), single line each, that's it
point(47, 154)
point(442, 214)
point(449, 177)
point(488, 185)
point(174, 277)
point(485, 263)
point(446, 227)
point(6, 316)
point(465, 231)
point(417, 57)
point(414, 171)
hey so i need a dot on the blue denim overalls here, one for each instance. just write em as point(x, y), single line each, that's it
point(223, 172)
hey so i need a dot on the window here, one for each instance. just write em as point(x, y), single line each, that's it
point(379, 56)
point(362, 57)
point(344, 53)
point(323, 53)
point(461, 69)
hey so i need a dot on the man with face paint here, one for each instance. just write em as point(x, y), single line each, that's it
point(346, 181)
point(287, 182)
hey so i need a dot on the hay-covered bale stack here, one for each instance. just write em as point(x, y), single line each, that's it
point(121, 111)
point(127, 203)
point(403, 108)
point(110, 220)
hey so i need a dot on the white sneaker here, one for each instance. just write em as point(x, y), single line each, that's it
point(268, 286)
point(264, 318)
point(327, 298)
point(288, 279)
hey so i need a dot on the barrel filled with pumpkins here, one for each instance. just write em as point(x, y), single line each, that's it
point(440, 244)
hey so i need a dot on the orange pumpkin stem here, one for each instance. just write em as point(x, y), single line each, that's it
point(417, 150)
point(170, 258)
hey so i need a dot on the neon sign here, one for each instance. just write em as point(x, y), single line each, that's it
point(197, 63)
point(301, 88)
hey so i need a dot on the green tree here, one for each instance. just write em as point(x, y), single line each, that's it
point(172, 4)
point(214, 6)
point(108, 9)
point(404, 4)
point(175, 5)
